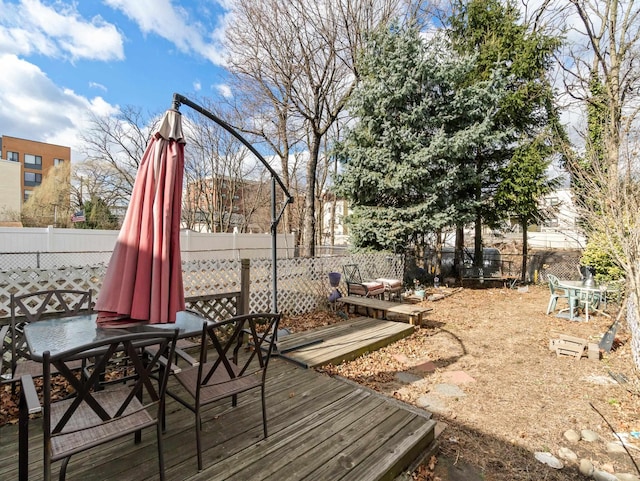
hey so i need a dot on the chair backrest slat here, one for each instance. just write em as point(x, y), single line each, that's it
point(35, 306)
point(86, 390)
point(352, 273)
point(227, 338)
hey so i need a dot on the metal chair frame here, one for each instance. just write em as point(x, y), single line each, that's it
point(227, 374)
point(33, 307)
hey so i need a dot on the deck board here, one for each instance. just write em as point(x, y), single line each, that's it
point(319, 428)
point(317, 425)
point(342, 342)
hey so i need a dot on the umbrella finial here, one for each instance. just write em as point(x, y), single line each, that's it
point(176, 102)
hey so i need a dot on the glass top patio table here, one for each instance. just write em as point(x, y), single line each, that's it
point(61, 334)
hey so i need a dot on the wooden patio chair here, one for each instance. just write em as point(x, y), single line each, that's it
point(93, 415)
point(227, 373)
point(359, 287)
point(34, 307)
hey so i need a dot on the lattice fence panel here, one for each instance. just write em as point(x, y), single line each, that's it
point(212, 276)
point(215, 307)
point(24, 281)
point(303, 283)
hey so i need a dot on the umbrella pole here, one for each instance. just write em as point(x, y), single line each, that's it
point(275, 216)
point(274, 248)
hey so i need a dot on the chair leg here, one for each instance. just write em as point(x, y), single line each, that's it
point(159, 430)
point(552, 304)
point(63, 468)
point(198, 443)
point(264, 413)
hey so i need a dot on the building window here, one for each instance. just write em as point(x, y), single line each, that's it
point(32, 179)
point(13, 156)
point(551, 222)
point(27, 194)
point(57, 162)
point(33, 161)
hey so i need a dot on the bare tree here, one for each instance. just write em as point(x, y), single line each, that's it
point(299, 58)
point(603, 42)
point(98, 179)
point(224, 185)
point(49, 203)
point(613, 209)
point(118, 142)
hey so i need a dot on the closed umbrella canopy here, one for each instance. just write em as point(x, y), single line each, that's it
point(143, 282)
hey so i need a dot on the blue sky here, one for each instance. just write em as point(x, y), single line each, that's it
point(61, 60)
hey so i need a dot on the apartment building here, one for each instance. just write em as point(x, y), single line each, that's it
point(225, 204)
point(35, 159)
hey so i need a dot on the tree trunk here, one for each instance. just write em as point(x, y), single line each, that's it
point(478, 254)
point(438, 267)
point(309, 234)
point(525, 250)
point(458, 257)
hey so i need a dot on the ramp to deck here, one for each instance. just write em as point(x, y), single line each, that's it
point(341, 342)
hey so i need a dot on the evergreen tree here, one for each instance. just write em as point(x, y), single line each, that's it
point(524, 182)
point(492, 30)
point(97, 215)
point(406, 160)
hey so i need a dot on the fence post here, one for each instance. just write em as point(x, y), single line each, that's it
point(245, 281)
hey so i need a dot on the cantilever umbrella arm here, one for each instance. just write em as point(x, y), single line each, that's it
point(275, 217)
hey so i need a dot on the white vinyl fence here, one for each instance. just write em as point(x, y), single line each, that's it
point(49, 247)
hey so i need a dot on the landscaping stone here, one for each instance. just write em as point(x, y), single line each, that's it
point(426, 367)
point(627, 477)
point(457, 377)
point(401, 358)
point(549, 459)
point(589, 435)
point(431, 402)
point(407, 377)
point(567, 454)
point(586, 467)
point(608, 467)
point(572, 435)
point(449, 390)
point(603, 476)
point(615, 448)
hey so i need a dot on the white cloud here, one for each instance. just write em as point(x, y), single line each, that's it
point(224, 90)
point(58, 30)
point(96, 85)
point(33, 107)
point(197, 86)
point(172, 23)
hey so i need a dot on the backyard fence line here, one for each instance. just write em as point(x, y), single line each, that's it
point(303, 283)
point(49, 247)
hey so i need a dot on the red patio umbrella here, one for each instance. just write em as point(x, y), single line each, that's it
point(143, 282)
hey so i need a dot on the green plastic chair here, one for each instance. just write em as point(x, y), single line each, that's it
point(556, 293)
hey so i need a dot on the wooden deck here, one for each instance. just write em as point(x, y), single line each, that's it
point(379, 308)
point(320, 428)
point(341, 342)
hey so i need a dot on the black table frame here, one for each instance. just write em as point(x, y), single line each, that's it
point(60, 334)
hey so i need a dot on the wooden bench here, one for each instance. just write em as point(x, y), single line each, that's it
point(378, 308)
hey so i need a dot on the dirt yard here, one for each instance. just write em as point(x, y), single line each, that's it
point(483, 366)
